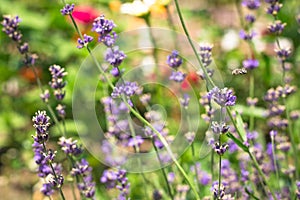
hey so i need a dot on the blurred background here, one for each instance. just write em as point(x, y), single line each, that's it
point(53, 38)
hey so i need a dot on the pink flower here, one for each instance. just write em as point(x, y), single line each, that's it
point(85, 14)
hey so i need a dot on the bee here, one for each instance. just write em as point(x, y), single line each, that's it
point(239, 71)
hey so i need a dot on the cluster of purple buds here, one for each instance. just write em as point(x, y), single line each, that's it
point(223, 97)
point(250, 64)
point(67, 9)
point(84, 42)
point(220, 194)
point(205, 54)
point(10, 28)
point(104, 28)
point(251, 4)
point(116, 179)
point(274, 8)
point(230, 178)
point(250, 18)
point(57, 82)
point(283, 53)
point(205, 101)
point(219, 128)
point(157, 121)
point(86, 186)
point(276, 27)
point(247, 35)
point(174, 60)
point(114, 56)
point(185, 101)
point(70, 146)
point(203, 177)
point(127, 89)
point(220, 149)
point(41, 122)
point(45, 96)
point(177, 76)
point(47, 169)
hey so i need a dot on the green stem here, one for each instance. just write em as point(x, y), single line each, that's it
point(163, 170)
point(251, 95)
point(152, 38)
point(195, 166)
point(207, 77)
point(275, 162)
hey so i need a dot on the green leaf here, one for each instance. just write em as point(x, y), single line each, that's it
point(237, 142)
point(240, 125)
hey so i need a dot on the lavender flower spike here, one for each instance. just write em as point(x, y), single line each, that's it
point(223, 97)
point(41, 124)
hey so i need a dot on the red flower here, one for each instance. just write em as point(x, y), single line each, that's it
point(85, 14)
point(192, 78)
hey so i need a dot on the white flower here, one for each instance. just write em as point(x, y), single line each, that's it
point(137, 7)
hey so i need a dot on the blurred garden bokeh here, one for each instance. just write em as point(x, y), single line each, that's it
point(52, 37)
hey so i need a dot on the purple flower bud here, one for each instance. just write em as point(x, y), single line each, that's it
point(283, 54)
point(273, 133)
point(177, 76)
point(103, 26)
point(223, 97)
point(251, 4)
point(174, 60)
point(185, 101)
point(247, 35)
point(135, 141)
point(115, 72)
point(114, 56)
point(23, 48)
point(274, 8)
point(205, 54)
point(41, 124)
point(10, 27)
point(250, 64)
point(83, 43)
point(277, 27)
point(67, 9)
point(45, 96)
point(250, 18)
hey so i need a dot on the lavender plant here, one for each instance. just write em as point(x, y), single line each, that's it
point(126, 104)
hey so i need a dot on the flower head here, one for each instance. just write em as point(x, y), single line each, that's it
point(127, 88)
point(247, 35)
point(103, 26)
point(273, 9)
point(223, 97)
point(250, 64)
point(277, 27)
point(174, 60)
point(86, 39)
point(67, 9)
point(114, 56)
point(177, 76)
point(10, 27)
point(205, 54)
point(251, 4)
point(41, 124)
